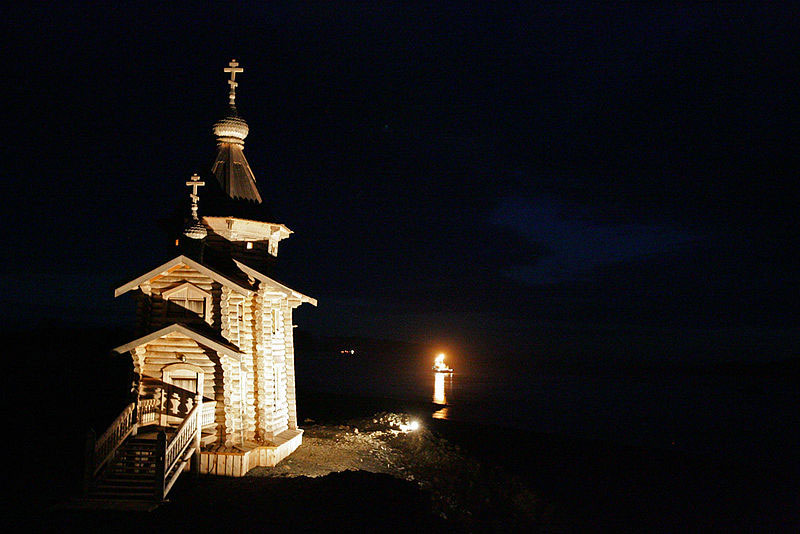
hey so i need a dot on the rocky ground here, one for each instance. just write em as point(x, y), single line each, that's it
point(460, 489)
point(370, 474)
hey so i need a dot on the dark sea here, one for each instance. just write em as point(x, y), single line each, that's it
point(750, 417)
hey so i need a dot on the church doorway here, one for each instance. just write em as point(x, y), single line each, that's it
point(182, 381)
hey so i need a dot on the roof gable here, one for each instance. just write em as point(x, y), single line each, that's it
point(178, 260)
point(218, 345)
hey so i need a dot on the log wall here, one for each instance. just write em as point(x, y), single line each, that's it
point(280, 417)
point(256, 398)
point(291, 398)
point(157, 354)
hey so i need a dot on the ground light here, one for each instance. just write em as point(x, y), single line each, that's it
point(410, 427)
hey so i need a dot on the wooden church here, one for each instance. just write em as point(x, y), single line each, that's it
point(214, 357)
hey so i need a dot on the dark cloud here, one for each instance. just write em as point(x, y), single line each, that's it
point(576, 245)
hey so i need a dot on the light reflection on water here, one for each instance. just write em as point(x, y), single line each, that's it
point(442, 385)
point(439, 394)
point(441, 414)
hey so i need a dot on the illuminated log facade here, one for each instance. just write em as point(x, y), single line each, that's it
point(212, 309)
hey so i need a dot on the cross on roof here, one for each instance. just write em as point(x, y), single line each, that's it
point(194, 182)
point(233, 69)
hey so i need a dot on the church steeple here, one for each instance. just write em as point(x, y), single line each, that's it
point(230, 167)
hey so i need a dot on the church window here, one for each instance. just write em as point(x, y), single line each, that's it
point(186, 301)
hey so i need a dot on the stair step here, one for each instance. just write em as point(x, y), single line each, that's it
point(126, 482)
point(136, 492)
point(132, 471)
point(135, 468)
point(122, 496)
point(116, 497)
point(128, 474)
point(132, 490)
point(109, 493)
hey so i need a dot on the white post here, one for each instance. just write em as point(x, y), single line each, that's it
point(198, 417)
point(162, 405)
point(161, 455)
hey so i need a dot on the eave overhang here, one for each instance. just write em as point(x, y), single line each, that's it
point(289, 292)
point(202, 339)
point(272, 227)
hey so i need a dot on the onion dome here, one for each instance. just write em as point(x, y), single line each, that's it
point(195, 230)
point(231, 129)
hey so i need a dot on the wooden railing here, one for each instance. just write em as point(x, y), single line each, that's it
point(209, 413)
point(148, 412)
point(171, 400)
point(173, 455)
point(109, 442)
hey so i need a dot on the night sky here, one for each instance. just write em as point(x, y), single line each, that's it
point(552, 182)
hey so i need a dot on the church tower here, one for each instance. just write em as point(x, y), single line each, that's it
point(215, 329)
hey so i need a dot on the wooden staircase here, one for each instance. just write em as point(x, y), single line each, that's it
point(130, 479)
point(136, 461)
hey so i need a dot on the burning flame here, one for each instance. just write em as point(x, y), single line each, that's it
point(439, 364)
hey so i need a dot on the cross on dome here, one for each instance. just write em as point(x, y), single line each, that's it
point(233, 68)
point(194, 182)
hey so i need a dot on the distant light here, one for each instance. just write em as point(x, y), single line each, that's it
point(249, 245)
point(177, 242)
point(439, 365)
point(414, 425)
